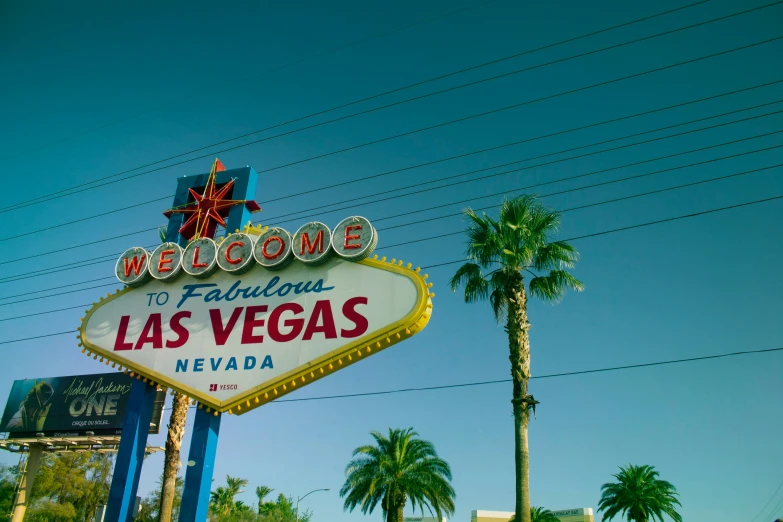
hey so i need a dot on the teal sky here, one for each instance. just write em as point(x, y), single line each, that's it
point(92, 89)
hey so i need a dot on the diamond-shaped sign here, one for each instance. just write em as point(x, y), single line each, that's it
point(234, 342)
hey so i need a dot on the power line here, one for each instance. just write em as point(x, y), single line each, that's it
point(548, 376)
point(418, 187)
point(418, 190)
point(649, 223)
point(275, 69)
point(408, 133)
point(641, 225)
point(57, 288)
point(485, 64)
point(46, 312)
point(493, 148)
point(580, 207)
point(768, 502)
point(590, 205)
point(570, 178)
point(624, 198)
point(517, 105)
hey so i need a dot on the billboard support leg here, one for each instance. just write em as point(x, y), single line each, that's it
point(26, 482)
point(133, 444)
point(201, 464)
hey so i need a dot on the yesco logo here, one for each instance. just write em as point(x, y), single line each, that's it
point(353, 239)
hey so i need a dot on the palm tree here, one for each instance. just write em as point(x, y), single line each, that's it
point(539, 514)
point(398, 468)
point(171, 459)
point(235, 484)
point(222, 499)
point(501, 253)
point(261, 493)
point(639, 496)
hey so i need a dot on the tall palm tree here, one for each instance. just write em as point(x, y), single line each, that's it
point(501, 253)
point(639, 496)
point(171, 459)
point(539, 514)
point(396, 469)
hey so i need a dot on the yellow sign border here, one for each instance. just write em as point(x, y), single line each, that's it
point(303, 375)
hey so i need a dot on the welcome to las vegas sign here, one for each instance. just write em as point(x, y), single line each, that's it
point(237, 323)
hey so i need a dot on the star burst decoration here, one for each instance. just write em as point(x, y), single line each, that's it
point(210, 208)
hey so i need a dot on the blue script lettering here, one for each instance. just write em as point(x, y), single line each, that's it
point(236, 291)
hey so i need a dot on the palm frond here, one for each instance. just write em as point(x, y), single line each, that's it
point(471, 276)
point(555, 256)
point(553, 286)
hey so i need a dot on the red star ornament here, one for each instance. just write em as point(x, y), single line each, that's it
point(210, 208)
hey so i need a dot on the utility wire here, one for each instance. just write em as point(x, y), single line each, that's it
point(521, 104)
point(46, 312)
point(547, 376)
point(48, 271)
point(463, 155)
point(446, 234)
point(485, 64)
point(605, 202)
point(768, 503)
point(418, 187)
point(594, 185)
point(275, 69)
point(58, 287)
point(389, 138)
point(641, 225)
point(428, 220)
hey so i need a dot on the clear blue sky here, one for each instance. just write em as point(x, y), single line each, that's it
point(692, 287)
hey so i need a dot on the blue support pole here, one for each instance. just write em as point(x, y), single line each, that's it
point(201, 464)
point(206, 426)
point(133, 444)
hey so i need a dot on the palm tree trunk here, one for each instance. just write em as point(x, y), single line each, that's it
point(519, 348)
point(179, 413)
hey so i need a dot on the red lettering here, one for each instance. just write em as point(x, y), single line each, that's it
point(321, 311)
point(266, 254)
point(120, 343)
point(295, 325)
point(195, 263)
point(355, 317)
point(351, 237)
point(177, 328)
point(251, 322)
point(221, 334)
point(234, 260)
point(134, 265)
point(165, 261)
point(310, 246)
point(151, 333)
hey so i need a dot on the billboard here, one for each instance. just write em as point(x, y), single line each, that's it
point(71, 406)
point(240, 322)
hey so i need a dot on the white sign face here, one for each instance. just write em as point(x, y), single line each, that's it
point(237, 341)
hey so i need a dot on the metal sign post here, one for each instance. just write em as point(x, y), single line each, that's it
point(206, 426)
point(127, 469)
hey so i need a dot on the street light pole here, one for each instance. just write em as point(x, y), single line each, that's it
point(302, 498)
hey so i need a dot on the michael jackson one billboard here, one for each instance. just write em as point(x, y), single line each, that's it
point(71, 406)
